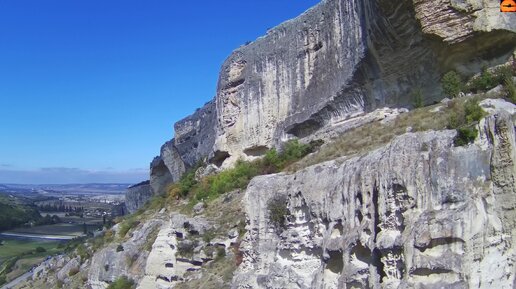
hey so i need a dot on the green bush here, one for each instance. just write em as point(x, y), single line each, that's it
point(417, 98)
point(488, 80)
point(278, 211)
point(465, 135)
point(465, 113)
point(485, 81)
point(122, 283)
point(40, 250)
point(452, 84)
point(221, 253)
point(186, 183)
point(291, 151)
point(237, 177)
point(472, 111)
point(510, 87)
point(82, 252)
point(127, 225)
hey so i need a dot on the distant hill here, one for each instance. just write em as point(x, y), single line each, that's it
point(16, 211)
point(112, 188)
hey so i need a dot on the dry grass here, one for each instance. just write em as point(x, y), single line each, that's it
point(373, 135)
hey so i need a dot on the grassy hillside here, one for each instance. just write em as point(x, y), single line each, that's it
point(15, 211)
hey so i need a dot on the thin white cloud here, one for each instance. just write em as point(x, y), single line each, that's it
point(62, 175)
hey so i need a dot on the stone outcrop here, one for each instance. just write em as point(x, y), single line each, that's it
point(417, 213)
point(126, 258)
point(137, 195)
point(337, 61)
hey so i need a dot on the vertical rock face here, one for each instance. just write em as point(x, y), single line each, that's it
point(137, 195)
point(335, 62)
point(417, 213)
point(194, 139)
point(195, 134)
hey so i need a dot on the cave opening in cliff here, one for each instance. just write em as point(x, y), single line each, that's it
point(305, 128)
point(219, 157)
point(335, 263)
point(256, 151)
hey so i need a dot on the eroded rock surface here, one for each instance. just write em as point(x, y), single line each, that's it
point(417, 213)
point(331, 65)
point(137, 195)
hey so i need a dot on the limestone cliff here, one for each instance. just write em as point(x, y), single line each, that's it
point(137, 195)
point(336, 61)
point(417, 213)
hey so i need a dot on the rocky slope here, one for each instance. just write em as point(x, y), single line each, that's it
point(417, 213)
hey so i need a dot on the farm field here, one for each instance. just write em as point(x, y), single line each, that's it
point(17, 246)
point(18, 255)
point(69, 230)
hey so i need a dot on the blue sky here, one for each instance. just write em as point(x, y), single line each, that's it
point(89, 90)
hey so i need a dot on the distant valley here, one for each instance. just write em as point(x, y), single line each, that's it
point(40, 220)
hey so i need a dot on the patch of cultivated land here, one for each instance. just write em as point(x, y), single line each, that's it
point(72, 230)
point(17, 256)
point(16, 247)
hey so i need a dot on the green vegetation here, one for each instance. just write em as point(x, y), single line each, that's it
point(120, 248)
point(15, 212)
point(239, 176)
point(458, 113)
point(488, 79)
point(19, 255)
point(40, 250)
point(510, 87)
point(452, 84)
point(129, 223)
point(122, 283)
point(151, 238)
point(18, 247)
point(278, 211)
point(417, 98)
point(463, 117)
point(465, 135)
point(221, 254)
point(485, 81)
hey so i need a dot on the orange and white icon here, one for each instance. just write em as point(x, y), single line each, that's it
point(508, 6)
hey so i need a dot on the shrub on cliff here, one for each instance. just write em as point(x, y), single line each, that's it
point(127, 225)
point(235, 178)
point(452, 84)
point(510, 87)
point(291, 151)
point(278, 212)
point(239, 176)
point(122, 283)
point(489, 79)
point(417, 97)
point(463, 117)
point(465, 135)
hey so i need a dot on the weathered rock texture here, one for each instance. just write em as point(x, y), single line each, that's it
point(127, 258)
point(137, 195)
point(417, 213)
point(337, 61)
